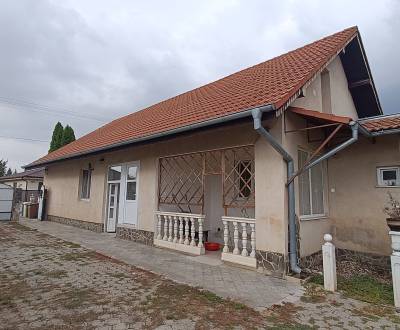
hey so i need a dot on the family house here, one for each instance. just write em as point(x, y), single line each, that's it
point(264, 161)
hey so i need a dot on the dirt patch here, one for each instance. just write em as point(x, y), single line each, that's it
point(175, 301)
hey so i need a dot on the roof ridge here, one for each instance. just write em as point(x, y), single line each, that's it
point(354, 27)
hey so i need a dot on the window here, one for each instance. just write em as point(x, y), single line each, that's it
point(245, 178)
point(388, 176)
point(114, 173)
point(311, 188)
point(86, 178)
point(131, 183)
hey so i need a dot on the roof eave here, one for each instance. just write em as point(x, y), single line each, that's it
point(215, 121)
point(369, 72)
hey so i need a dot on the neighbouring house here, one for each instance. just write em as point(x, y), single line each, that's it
point(27, 183)
point(264, 161)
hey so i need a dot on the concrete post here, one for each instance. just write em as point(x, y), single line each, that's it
point(395, 261)
point(329, 264)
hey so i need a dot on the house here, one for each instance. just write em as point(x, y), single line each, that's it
point(264, 161)
point(27, 183)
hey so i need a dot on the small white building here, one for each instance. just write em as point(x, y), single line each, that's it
point(27, 183)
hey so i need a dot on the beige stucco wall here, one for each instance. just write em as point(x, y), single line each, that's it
point(341, 100)
point(271, 200)
point(62, 180)
point(311, 230)
point(356, 203)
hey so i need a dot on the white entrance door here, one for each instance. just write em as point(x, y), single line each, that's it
point(130, 177)
point(113, 201)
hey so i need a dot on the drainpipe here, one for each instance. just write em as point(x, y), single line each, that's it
point(354, 137)
point(257, 114)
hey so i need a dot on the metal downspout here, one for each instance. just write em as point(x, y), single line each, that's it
point(257, 115)
point(354, 137)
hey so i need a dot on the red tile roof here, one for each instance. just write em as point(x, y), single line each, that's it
point(320, 115)
point(383, 123)
point(275, 81)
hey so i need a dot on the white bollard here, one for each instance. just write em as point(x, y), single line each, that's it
point(395, 261)
point(329, 264)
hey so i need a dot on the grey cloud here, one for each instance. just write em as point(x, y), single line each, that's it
point(105, 59)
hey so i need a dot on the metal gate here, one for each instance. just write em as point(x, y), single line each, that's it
point(6, 201)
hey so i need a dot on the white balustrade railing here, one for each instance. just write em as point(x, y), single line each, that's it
point(243, 231)
point(180, 231)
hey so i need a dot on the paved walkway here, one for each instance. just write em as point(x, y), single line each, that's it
point(246, 286)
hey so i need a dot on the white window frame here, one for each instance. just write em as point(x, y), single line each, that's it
point(379, 176)
point(312, 216)
point(81, 197)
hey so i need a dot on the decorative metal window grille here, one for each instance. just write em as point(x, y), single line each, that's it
point(181, 177)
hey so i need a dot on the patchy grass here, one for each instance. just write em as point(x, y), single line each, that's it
point(283, 317)
point(314, 294)
point(362, 287)
point(175, 302)
point(71, 245)
point(211, 297)
point(56, 274)
point(77, 297)
point(366, 288)
point(13, 290)
point(118, 275)
point(76, 256)
point(20, 227)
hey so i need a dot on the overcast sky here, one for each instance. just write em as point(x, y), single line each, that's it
point(86, 62)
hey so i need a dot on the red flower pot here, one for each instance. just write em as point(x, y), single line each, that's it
point(210, 246)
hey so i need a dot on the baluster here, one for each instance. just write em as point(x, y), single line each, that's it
point(159, 226)
point(193, 232)
point(244, 239)
point(186, 231)
point(165, 238)
point(236, 237)
point(181, 230)
point(175, 229)
point(200, 232)
point(253, 240)
point(171, 225)
point(226, 236)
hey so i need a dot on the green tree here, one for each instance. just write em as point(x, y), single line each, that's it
point(68, 135)
point(9, 172)
point(56, 139)
point(3, 167)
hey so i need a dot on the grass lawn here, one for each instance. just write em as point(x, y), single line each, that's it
point(362, 287)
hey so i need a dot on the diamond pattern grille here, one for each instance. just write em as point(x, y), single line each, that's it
point(238, 177)
point(181, 177)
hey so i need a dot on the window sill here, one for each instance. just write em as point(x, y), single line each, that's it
point(313, 217)
point(84, 199)
point(387, 186)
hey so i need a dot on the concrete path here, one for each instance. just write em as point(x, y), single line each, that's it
point(246, 286)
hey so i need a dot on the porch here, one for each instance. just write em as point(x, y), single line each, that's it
point(208, 196)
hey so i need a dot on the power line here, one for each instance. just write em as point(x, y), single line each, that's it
point(33, 106)
point(21, 138)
